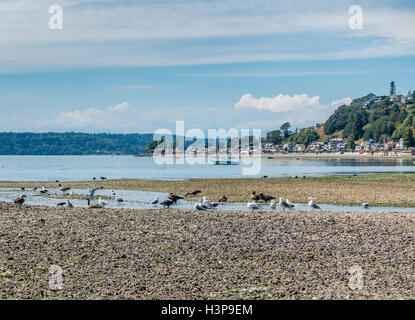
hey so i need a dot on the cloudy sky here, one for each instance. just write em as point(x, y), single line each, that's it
point(137, 66)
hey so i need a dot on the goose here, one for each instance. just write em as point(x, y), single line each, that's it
point(69, 204)
point(93, 205)
point(155, 201)
point(63, 189)
point(253, 206)
point(284, 204)
point(265, 197)
point(292, 205)
point(312, 204)
point(102, 202)
point(166, 203)
point(273, 204)
point(174, 197)
point(193, 193)
point(20, 200)
point(223, 199)
point(254, 196)
point(366, 205)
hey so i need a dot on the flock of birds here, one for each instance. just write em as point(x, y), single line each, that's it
point(172, 198)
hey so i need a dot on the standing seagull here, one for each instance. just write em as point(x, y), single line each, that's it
point(273, 204)
point(20, 200)
point(254, 206)
point(102, 202)
point(199, 206)
point(292, 205)
point(207, 203)
point(284, 204)
point(312, 204)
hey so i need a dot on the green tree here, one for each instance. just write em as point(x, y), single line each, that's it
point(408, 137)
point(285, 127)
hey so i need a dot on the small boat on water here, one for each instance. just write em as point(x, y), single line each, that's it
point(226, 162)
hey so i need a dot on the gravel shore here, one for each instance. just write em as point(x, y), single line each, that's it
point(172, 254)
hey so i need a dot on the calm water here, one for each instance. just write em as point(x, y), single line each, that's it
point(66, 168)
point(142, 200)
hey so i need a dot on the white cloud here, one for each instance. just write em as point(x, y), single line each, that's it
point(280, 103)
point(344, 101)
point(125, 33)
point(105, 118)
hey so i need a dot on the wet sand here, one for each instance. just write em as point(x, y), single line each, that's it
point(172, 254)
point(378, 190)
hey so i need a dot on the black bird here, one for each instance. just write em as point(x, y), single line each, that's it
point(20, 200)
point(174, 197)
point(166, 203)
point(94, 178)
point(223, 199)
point(61, 204)
point(35, 188)
point(23, 189)
point(103, 178)
point(265, 197)
point(43, 191)
point(264, 177)
point(255, 196)
point(193, 193)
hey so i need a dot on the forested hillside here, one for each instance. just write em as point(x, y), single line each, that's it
point(73, 143)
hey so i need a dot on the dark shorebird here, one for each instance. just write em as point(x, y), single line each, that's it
point(93, 205)
point(61, 204)
point(63, 189)
point(264, 177)
point(23, 189)
point(265, 197)
point(103, 178)
point(174, 197)
point(223, 199)
point(193, 193)
point(166, 203)
point(69, 204)
point(254, 196)
point(94, 178)
point(20, 200)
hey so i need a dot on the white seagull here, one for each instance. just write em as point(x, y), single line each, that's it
point(207, 203)
point(284, 204)
point(155, 201)
point(292, 205)
point(273, 204)
point(199, 206)
point(312, 204)
point(366, 205)
point(102, 202)
point(254, 206)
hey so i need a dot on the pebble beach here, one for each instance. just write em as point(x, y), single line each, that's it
point(181, 254)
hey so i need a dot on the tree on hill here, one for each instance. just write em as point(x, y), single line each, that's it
point(285, 128)
point(273, 137)
point(408, 137)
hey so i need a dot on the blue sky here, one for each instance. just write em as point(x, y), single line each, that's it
point(137, 66)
